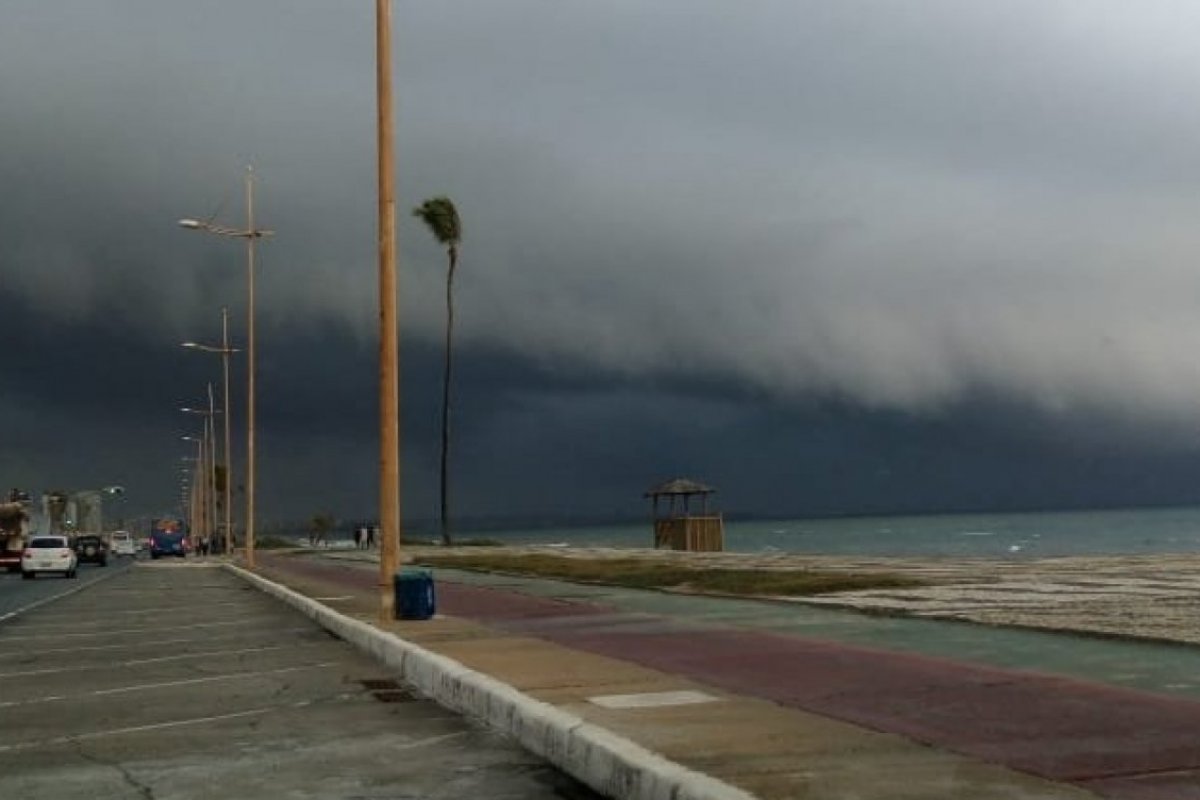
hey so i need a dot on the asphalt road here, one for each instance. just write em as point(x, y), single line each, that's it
point(173, 681)
point(17, 594)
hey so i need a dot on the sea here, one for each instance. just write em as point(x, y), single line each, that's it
point(1010, 535)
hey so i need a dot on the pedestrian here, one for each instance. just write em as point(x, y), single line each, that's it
point(371, 537)
point(358, 535)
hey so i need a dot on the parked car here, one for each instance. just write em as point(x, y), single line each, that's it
point(91, 550)
point(48, 554)
point(122, 544)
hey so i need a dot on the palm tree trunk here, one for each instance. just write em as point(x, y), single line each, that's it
point(453, 252)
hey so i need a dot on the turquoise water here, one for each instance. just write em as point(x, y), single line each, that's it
point(1135, 531)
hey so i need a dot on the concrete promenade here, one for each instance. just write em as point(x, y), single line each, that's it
point(784, 715)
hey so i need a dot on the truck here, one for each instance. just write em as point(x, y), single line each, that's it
point(14, 532)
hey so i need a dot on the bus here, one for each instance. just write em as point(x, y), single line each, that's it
point(167, 538)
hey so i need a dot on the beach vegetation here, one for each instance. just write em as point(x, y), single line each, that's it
point(650, 574)
point(273, 542)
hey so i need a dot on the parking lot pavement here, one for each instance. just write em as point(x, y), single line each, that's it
point(181, 682)
point(17, 594)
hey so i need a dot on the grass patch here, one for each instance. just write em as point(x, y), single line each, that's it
point(641, 574)
point(273, 543)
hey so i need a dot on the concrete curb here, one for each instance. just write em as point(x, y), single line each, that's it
point(609, 764)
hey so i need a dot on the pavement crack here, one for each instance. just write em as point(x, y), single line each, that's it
point(144, 791)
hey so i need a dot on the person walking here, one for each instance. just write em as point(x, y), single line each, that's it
point(371, 537)
point(358, 531)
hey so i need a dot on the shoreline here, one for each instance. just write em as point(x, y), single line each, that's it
point(1154, 598)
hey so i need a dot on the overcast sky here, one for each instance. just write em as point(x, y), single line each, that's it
point(831, 257)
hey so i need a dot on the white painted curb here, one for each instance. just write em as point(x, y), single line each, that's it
point(609, 764)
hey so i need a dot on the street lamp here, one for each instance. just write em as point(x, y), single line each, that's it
point(199, 490)
point(210, 476)
point(187, 493)
point(225, 352)
point(250, 234)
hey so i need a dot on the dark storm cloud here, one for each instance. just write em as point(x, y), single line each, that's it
point(687, 223)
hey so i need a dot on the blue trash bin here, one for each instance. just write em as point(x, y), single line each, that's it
point(415, 597)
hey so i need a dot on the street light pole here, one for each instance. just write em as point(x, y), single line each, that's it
point(250, 398)
point(205, 480)
point(197, 485)
point(250, 234)
point(225, 352)
point(208, 466)
point(389, 381)
point(211, 477)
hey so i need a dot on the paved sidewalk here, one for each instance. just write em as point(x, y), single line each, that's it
point(796, 717)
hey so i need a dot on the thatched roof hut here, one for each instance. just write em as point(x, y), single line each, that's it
point(678, 528)
point(680, 486)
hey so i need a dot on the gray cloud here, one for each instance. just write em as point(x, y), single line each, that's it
point(898, 207)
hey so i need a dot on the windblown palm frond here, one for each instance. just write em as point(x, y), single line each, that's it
point(441, 216)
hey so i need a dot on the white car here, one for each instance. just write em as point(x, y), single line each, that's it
point(48, 554)
point(122, 544)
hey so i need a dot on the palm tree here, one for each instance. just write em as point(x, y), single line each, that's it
point(440, 215)
point(319, 527)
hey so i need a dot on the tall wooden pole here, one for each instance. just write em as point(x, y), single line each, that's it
point(251, 235)
point(225, 353)
point(210, 478)
point(205, 488)
point(389, 357)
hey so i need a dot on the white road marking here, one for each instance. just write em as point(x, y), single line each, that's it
point(158, 726)
point(166, 684)
point(334, 599)
point(652, 699)
point(157, 660)
point(135, 645)
point(426, 742)
point(191, 625)
point(106, 617)
point(87, 623)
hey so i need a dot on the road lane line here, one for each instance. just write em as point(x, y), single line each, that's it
point(253, 621)
point(167, 684)
point(157, 660)
point(106, 617)
point(78, 621)
point(135, 645)
point(431, 740)
point(158, 726)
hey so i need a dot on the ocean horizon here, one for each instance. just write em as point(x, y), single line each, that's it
point(1142, 531)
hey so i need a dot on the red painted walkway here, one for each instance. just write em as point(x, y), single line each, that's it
point(1116, 742)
